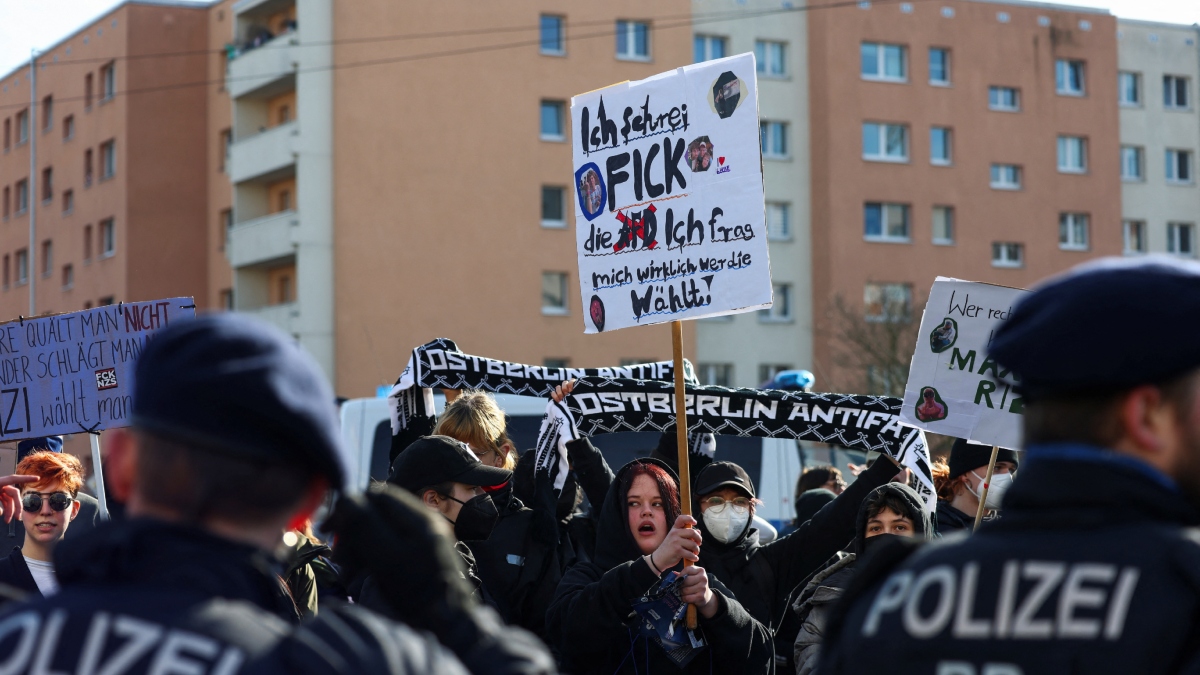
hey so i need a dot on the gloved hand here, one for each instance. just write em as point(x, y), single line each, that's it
point(545, 504)
point(408, 552)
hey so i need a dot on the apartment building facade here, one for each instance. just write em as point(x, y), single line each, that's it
point(115, 189)
point(1160, 136)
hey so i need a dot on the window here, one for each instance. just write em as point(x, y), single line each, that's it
point(885, 142)
point(885, 222)
point(768, 371)
point(47, 185)
point(47, 257)
point(106, 301)
point(553, 206)
point(226, 224)
point(23, 127)
point(7, 201)
point(108, 81)
point(939, 66)
point(551, 362)
point(1006, 177)
point(1179, 166)
point(633, 40)
point(552, 121)
point(943, 225)
point(22, 267)
point(939, 146)
point(1131, 163)
point(22, 190)
point(1072, 154)
point(68, 127)
point(551, 36)
point(7, 134)
point(1008, 254)
point(1004, 99)
point(68, 201)
point(47, 113)
point(7, 272)
point(771, 58)
point(87, 167)
point(779, 221)
point(883, 62)
point(226, 147)
point(554, 293)
point(227, 299)
point(1175, 92)
point(1073, 231)
point(709, 47)
point(1181, 239)
point(284, 200)
point(774, 138)
point(1129, 89)
point(283, 115)
point(87, 244)
point(1135, 236)
point(718, 374)
point(87, 91)
point(1068, 77)
point(108, 159)
point(781, 307)
point(108, 238)
point(68, 277)
point(887, 302)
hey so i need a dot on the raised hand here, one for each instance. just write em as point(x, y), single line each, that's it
point(682, 543)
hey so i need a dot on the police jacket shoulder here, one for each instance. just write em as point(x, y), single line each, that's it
point(1094, 568)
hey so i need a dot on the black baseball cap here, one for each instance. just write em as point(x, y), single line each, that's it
point(439, 459)
point(723, 474)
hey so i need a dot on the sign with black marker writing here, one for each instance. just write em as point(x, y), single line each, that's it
point(69, 373)
point(954, 387)
point(668, 196)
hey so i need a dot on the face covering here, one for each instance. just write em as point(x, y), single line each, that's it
point(726, 522)
point(476, 518)
point(879, 541)
point(1000, 484)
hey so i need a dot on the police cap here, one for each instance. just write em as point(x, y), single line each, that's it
point(1105, 326)
point(230, 384)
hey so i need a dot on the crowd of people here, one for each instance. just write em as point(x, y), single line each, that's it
point(468, 559)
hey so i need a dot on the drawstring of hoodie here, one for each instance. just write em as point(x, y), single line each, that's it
point(632, 644)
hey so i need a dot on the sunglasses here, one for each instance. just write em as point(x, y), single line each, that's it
point(740, 502)
point(59, 501)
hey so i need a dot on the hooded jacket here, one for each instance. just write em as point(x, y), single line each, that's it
point(825, 587)
point(1103, 569)
point(950, 519)
point(763, 577)
point(591, 612)
point(15, 574)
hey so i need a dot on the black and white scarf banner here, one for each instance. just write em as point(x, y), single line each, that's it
point(599, 405)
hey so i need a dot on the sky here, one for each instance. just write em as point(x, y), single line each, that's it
point(26, 24)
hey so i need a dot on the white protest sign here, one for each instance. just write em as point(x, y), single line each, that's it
point(669, 197)
point(954, 388)
point(69, 373)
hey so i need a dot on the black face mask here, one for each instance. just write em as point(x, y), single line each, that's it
point(476, 518)
point(879, 541)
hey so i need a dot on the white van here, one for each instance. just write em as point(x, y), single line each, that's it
point(772, 463)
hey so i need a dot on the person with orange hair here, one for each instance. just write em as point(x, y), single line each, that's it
point(49, 506)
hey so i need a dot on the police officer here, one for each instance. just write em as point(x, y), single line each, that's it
point(235, 439)
point(1093, 568)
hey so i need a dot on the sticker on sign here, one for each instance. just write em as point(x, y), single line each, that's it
point(954, 387)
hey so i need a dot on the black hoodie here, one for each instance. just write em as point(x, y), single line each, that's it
point(589, 618)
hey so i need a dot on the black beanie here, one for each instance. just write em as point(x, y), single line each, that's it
point(966, 456)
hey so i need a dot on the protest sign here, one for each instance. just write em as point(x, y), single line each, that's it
point(669, 197)
point(70, 373)
point(954, 387)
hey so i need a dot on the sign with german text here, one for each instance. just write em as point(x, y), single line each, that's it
point(70, 373)
point(954, 387)
point(668, 194)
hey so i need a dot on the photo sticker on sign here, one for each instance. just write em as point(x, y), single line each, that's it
point(106, 379)
point(726, 94)
point(590, 188)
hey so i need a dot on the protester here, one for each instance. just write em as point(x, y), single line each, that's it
point(589, 621)
point(826, 477)
point(763, 576)
point(13, 534)
point(1095, 565)
point(234, 440)
point(808, 504)
point(890, 510)
point(474, 418)
point(49, 507)
point(958, 494)
point(309, 571)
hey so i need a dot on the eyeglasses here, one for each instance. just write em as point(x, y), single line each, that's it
point(59, 501)
point(739, 502)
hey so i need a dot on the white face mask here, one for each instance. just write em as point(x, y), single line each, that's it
point(1000, 484)
point(726, 522)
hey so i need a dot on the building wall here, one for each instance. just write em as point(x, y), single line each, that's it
point(991, 44)
point(439, 169)
point(747, 341)
point(219, 117)
point(1152, 51)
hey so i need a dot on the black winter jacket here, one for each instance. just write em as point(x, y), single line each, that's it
point(15, 574)
point(764, 577)
point(589, 620)
point(1094, 568)
point(158, 597)
point(950, 519)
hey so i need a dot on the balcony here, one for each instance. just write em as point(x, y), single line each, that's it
point(284, 317)
point(263, 153)
point(263, 239)
point(264, 65)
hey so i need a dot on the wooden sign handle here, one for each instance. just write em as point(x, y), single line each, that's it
point(987, 483)
point(681, 442)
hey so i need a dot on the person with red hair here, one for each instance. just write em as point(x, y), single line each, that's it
point(49, 506)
